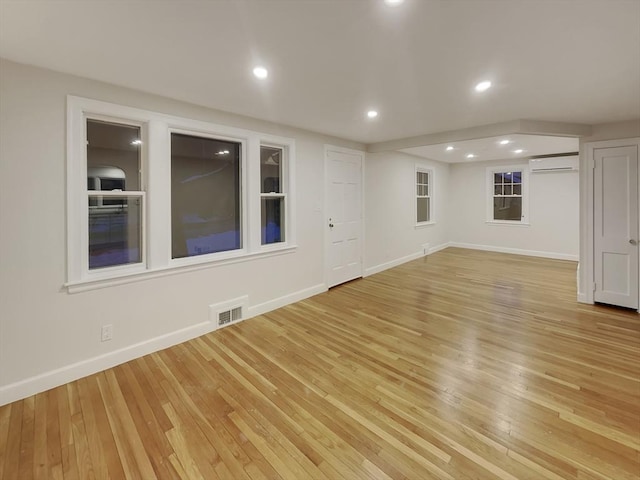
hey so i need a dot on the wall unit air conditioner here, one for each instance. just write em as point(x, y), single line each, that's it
point(554, 164)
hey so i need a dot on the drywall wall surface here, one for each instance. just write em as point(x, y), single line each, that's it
point(45, 329)
point(553, 228)
point(390, 219)
point(613, 131)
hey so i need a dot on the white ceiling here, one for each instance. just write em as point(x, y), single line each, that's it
point(491, 149)
point(332, 60)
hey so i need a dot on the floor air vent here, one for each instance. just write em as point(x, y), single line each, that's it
point(228, 312)
point(229, 316)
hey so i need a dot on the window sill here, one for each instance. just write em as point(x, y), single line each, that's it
point(130, 277)
point(423, 224)
point(508, 223)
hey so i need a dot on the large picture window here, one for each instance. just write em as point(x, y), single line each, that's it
point(150, 192)
point(206, 213)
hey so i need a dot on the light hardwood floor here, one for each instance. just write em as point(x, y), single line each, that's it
point(462, 365)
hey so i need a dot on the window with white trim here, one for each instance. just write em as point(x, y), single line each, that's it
point(507, 196)
point(206, 202)
point(150, 192)
point(424, 196)
point(273, 196)
point(115, 197)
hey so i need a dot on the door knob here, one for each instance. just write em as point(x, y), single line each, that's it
point(633, 242)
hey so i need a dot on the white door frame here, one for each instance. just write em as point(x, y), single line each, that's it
point(325, 217)
point(587, 264)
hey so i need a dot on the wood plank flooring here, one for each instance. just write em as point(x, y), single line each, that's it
point(462, 365)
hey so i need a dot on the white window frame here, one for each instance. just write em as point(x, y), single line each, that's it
point(156, 129)
point(524, 218)
point(287, 185)
point(429, 171)
point(243, 250)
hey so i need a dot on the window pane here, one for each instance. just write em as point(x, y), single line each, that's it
point(508, 177)
point(517, 177)
point(497, 178)
point(113, 156)
point(272, 220)
point(507, 208)
point(205, 196)
point(115, 231)
point(497, 190)
point(517, 189)
point(271, 169)
point(508, 190)
point(423, 214)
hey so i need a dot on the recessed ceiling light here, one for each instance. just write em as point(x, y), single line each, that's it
point(470, 155)
point(505, 142)
point(483, 86)
point(393, 3)
point(449, 148)
point(136, 142)
point(372, 114)
point(518, 150)
point(260, 72)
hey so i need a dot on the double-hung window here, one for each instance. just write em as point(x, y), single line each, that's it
point(115, 196)
point(507, 197)
point(424, 196)
point(149, 192)
point(273, 197)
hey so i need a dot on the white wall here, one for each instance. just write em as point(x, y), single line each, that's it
point(553, 213)
point(48, 336)
point(391, 236)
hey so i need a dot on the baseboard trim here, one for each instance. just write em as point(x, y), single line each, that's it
point(582, 298)
point(54, 378)
point(393, 263)
point(399, 261)
point(437, 248)
point(285, 300)
point(60, 376)
point(516, 251)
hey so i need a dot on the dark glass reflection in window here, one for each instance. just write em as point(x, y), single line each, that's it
point(113, 156)
point(113, 163)
point(272, 220)
point(507, 208)
point(205, 195)
point(271, 169)
point(115, 231)
point(423, 212)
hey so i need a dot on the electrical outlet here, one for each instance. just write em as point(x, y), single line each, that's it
point(106, 333)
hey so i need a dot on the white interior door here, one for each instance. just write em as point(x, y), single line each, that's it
point(344, 215)
point(616, 226)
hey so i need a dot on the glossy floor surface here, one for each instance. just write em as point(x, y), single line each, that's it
point(462, 365)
